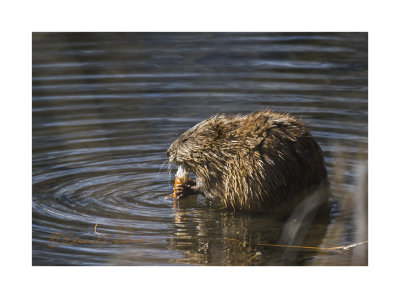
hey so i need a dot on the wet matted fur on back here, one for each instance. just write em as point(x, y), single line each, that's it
point(253, 162)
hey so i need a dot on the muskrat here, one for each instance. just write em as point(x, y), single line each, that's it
point(256, 162)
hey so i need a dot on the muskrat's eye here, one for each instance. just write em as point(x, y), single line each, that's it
point(184, 140)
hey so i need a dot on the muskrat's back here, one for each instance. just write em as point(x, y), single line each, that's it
point(255, 162)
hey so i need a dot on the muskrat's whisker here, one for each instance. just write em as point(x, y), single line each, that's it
point(162, 166)
point(170, 174)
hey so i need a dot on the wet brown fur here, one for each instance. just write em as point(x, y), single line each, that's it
point(254, 162)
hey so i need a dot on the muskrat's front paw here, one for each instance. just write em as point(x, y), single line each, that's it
point(182, 190)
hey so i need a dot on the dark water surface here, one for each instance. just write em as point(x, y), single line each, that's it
point(107, 106)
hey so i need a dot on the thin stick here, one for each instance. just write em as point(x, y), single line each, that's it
point(251, 258)
point(95, 229)
point(315, 248)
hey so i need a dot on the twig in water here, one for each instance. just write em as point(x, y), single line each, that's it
point(95, 229)
point(251, 258)
point(315, 248)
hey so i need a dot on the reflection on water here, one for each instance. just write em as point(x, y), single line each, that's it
point(107, 106)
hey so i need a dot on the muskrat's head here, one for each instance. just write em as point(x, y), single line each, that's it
point(194, 147)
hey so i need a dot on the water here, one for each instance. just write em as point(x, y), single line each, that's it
point(107, 106)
